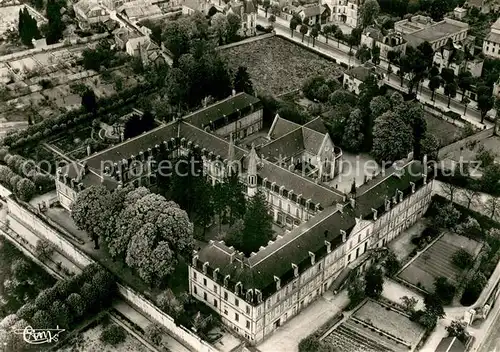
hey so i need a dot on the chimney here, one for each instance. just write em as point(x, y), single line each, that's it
point(233, 93)
point(313, 258)
point(328, 247)
point(278, 282)
point(412, 184)
point(295, 270)
point(352, 201)
point(344, 235)
point(340, 207)
point(374, 211)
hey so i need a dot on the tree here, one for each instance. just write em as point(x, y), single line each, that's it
point(294, 23)
point(374, 282)
point(355, 290)
point(449, 190)
point(376, 55)
point(353, 133)
point(233, 25)
point(44, 249)
point(490, 179)
point(170, 304)
point(466, 102)
point(113, 335)
point(25, 189)
point(485, 101)
point(271, 19)
point(462, 259)
point(327, 30)
point(363, 54)
point(470, 194)
point(303, 30)
point(434, 305)
point(154, 333)
point(20, 269)
point(447, 216)
point(220, 27)
point(450, 90)
point(342, 97)
point(27, 311)
point(89, 211)
point(448, 75)
point(164, 221)
point(61, 314)
point(434, 83)
point(27, 27)
point(444, 290)
point(409, 304)
point(76, 304)
point(55, 23)
point(339, 35)
point(369, 12)
point(465, 81)
point(379, 105)
point(276, 9)
point(89, 101)
point(314, 33)
point(430, 146)
point(257, 230)
point(458, 329)
point(392, 138)
point(493, 206)
point(469, 228)
point(266, 4)
point(391, 264)
point(42, 320)
point(242, 81)
point(473, 289)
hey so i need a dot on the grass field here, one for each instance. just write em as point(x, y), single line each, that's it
point(445, 132)
point(278, 66)
point(436, 261)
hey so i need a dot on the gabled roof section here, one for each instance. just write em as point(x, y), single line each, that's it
point(286, 146)
point(317, 125)
point(281, 126)
point(226, 107)
point(312, 140)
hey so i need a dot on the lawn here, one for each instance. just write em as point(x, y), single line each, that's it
point(278, 66)
point(389, 321)
point(436, 261)
point(445, 132)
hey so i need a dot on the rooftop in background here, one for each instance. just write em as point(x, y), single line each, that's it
point(221, 109)
point(362, 72)
point(436, 31)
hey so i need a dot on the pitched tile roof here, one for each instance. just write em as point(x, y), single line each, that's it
point(287, 146)
point(282, 126)
point(317, 125)
point(312, 140)
point(226, 107)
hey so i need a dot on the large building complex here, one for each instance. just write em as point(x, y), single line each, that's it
point(257, 294)
point(419, 29)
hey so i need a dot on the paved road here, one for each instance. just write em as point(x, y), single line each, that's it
point(492, 341)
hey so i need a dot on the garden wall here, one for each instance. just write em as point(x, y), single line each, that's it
point(64, 246)
point(246, 41)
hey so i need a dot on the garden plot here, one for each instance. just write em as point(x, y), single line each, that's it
point(390, 321)
point(436, 261)
point(376, 328)
point(445, 132)
point(278, 66)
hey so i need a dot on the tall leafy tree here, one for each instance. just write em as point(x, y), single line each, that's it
point(353, 137)
point(434, 83)
point(242, 82)
point(465, 81)
point(450, 90)
point(294, 23)
point(233, 25)
point(485, 101)
point(369, 12)
point(257, 230)
point(392, 138)
point(303, 30)
point(56, 25)
point(374, 282)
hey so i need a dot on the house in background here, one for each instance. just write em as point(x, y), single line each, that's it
point(189, 7)
point(89, 12)
point(491, 44)
point(357, 75)
point(454, 56)
point(144, 48)
point(314, 13)
point(459, 13)
point(345, 11)
point(139, 9)
point(247, 11)
point(393, 41)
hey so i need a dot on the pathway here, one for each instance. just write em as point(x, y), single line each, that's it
point(288, 336)
point(120, 305)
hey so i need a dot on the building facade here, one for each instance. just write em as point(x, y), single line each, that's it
point(256, 295)
point(345, 11)
point(393, 41)
point(491, 44)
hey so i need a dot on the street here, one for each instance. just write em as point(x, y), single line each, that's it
point(339, 52)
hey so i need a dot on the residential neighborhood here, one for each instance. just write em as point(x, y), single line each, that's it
point(249, 175)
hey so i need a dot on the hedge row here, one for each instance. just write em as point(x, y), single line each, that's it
point(51, 126)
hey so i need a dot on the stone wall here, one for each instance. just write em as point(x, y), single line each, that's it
point(35, 224)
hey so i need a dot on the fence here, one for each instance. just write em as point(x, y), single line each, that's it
point(81, 259)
